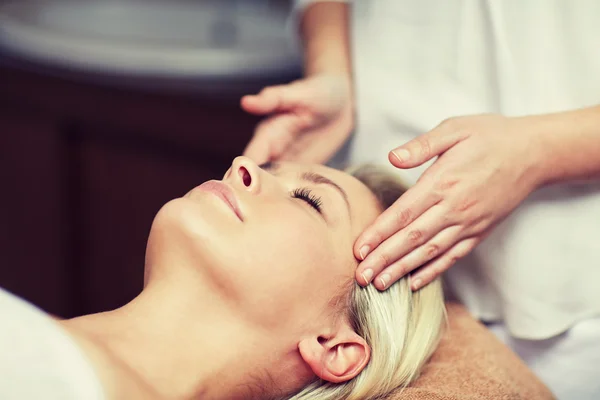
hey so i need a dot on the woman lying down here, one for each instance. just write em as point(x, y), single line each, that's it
point(249, 294)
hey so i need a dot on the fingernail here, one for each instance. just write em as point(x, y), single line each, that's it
point(416, 285)
point(384, 279)
point(364, 251)
point(401, 154)
point(367, 274)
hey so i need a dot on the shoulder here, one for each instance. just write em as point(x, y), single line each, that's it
point(39, 359)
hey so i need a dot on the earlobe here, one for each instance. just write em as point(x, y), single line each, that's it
point(336, 359)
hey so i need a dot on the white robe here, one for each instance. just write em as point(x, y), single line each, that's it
point(38, 359)
point(418, 62)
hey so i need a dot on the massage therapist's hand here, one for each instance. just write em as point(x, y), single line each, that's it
point(486, 165)
point(308, 120)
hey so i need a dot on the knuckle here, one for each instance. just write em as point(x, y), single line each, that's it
point(424, 145)
point(398, 268)
point(465, 205)
point(415, 236)
point(433, 250)
point(472, 244)
point(438, 270)
point(434, 271)
point(448, 218)
point(462, 250)
point(375, 237)
point(399, 271)
point(404, 216)
point(447, 263)
point(384, 259)
point(427, 275)
point(445, 183)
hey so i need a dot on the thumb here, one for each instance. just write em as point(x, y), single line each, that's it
point(273, 136)
point(424, 147)
point(273, 99)
point(258, 149)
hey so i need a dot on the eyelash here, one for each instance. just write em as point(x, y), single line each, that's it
point(306, 195)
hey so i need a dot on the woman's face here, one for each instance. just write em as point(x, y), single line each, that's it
point(275, 241)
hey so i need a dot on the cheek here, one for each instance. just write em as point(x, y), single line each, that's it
point(290, 270)
point(277, 272)
point(294, 252)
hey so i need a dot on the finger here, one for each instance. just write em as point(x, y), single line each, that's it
point(265, 102)
point(428, 251)
point(279, 98)
point(309, 149)
point(305, 152)
point(436, 267)
point(273, 136)
point(405, 241)
point(426, 146)
point(410, 206)
point(258, 149)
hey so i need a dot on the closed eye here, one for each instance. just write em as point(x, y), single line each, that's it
point(307, 196)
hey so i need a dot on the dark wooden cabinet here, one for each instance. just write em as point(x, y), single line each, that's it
point(33, 259)
point(84, 168)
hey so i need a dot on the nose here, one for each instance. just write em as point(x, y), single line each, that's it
point(244, 174)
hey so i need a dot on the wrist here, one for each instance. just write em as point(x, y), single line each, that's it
point(537, 169)
point(566, 145)
point(327, 64)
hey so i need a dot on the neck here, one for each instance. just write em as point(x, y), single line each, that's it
point(168, 352)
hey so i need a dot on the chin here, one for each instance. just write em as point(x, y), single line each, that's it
point(187, 233)
point(201, 220)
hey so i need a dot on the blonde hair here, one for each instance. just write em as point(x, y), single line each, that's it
point(402, 327)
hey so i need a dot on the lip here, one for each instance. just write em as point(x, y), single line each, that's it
point(225, 193)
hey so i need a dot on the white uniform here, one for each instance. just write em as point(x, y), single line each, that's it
point(38, 360)
point(417, 62)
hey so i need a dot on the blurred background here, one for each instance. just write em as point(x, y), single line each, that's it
point(109, 109)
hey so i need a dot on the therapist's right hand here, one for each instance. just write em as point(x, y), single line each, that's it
point(306, 121)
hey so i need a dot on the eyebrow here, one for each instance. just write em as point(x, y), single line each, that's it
point(312, 177)
point(319, 179)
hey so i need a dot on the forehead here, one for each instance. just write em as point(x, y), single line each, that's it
point(364, 207)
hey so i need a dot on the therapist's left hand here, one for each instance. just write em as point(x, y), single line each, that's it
point(486, 166)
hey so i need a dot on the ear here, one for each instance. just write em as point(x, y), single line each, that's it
point(337, 358)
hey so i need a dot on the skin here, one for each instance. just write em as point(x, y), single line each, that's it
point(310, 119)
point(232, 306)
point(453, 206)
